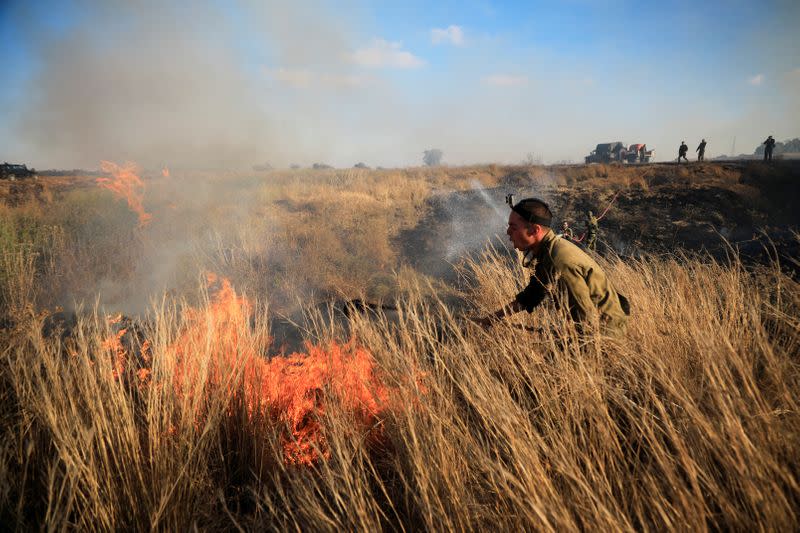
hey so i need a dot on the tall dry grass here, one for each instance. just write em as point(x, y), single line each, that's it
point(325, 231)
point(690, 422)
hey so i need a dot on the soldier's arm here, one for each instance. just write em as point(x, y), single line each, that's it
point(530, 297)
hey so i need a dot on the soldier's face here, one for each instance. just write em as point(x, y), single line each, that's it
point(522, 234)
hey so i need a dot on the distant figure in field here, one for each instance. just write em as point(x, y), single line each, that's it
point(591, 231)
point(682, 149)
point(701, 150)
point(566, 231)
point(769, 144)
point(562, 271)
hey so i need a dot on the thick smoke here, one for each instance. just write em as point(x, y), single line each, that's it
point(199, 224)
point(153, 83)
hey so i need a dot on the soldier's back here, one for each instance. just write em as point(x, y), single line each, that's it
point(576, 267)
point(566, 254)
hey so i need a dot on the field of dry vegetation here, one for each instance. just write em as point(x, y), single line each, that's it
point(186, 412)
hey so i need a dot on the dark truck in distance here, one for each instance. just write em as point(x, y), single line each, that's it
point(605, 153)
point(616, 151)
point(10, 171)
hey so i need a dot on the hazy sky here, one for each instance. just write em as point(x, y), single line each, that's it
point(232, 84)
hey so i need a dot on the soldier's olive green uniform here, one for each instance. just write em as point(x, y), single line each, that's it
point(591, 232)
point(561, 268)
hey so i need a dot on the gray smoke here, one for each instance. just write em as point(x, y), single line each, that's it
point(156, 82)
point(478, 217)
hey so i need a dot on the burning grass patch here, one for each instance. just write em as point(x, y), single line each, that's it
point(291, 394)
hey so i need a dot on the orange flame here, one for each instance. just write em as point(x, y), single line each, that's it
point(165, 172)
point(119, 356)
point(292, 392)
point(296, 390)
point(126, 184)
point(218, 325)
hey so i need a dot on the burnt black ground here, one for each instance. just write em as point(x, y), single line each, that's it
point(747, 209)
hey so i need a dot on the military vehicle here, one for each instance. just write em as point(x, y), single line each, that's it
point(10, 171)
point(638, 153)
point(606, 153)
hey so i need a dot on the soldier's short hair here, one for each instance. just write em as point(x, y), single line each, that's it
point(534, 211)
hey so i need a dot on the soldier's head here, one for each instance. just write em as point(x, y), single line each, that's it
point(528, 223)
point(590, 214)
point(565, 225)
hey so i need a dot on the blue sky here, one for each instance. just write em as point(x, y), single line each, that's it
point(230, 84)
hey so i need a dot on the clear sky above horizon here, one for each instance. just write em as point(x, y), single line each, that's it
point(231, 84)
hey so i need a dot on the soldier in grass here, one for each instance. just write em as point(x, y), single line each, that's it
point(561, 270)
point(591, 231)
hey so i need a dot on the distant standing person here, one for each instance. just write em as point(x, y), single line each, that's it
point(682, 149)
point(701, 150)
point(769, 144)
point(566, 231)
point(591, 231)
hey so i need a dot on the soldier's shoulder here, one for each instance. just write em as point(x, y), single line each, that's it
point(566, 253)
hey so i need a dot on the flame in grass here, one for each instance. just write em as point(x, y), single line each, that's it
point(125, 183)
point(218, 326)
point(114, 345)
point(121, 360)
point(291, 393)
point(296, 390)
point(165, 172)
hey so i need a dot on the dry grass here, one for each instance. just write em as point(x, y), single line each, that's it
point(691, 422)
